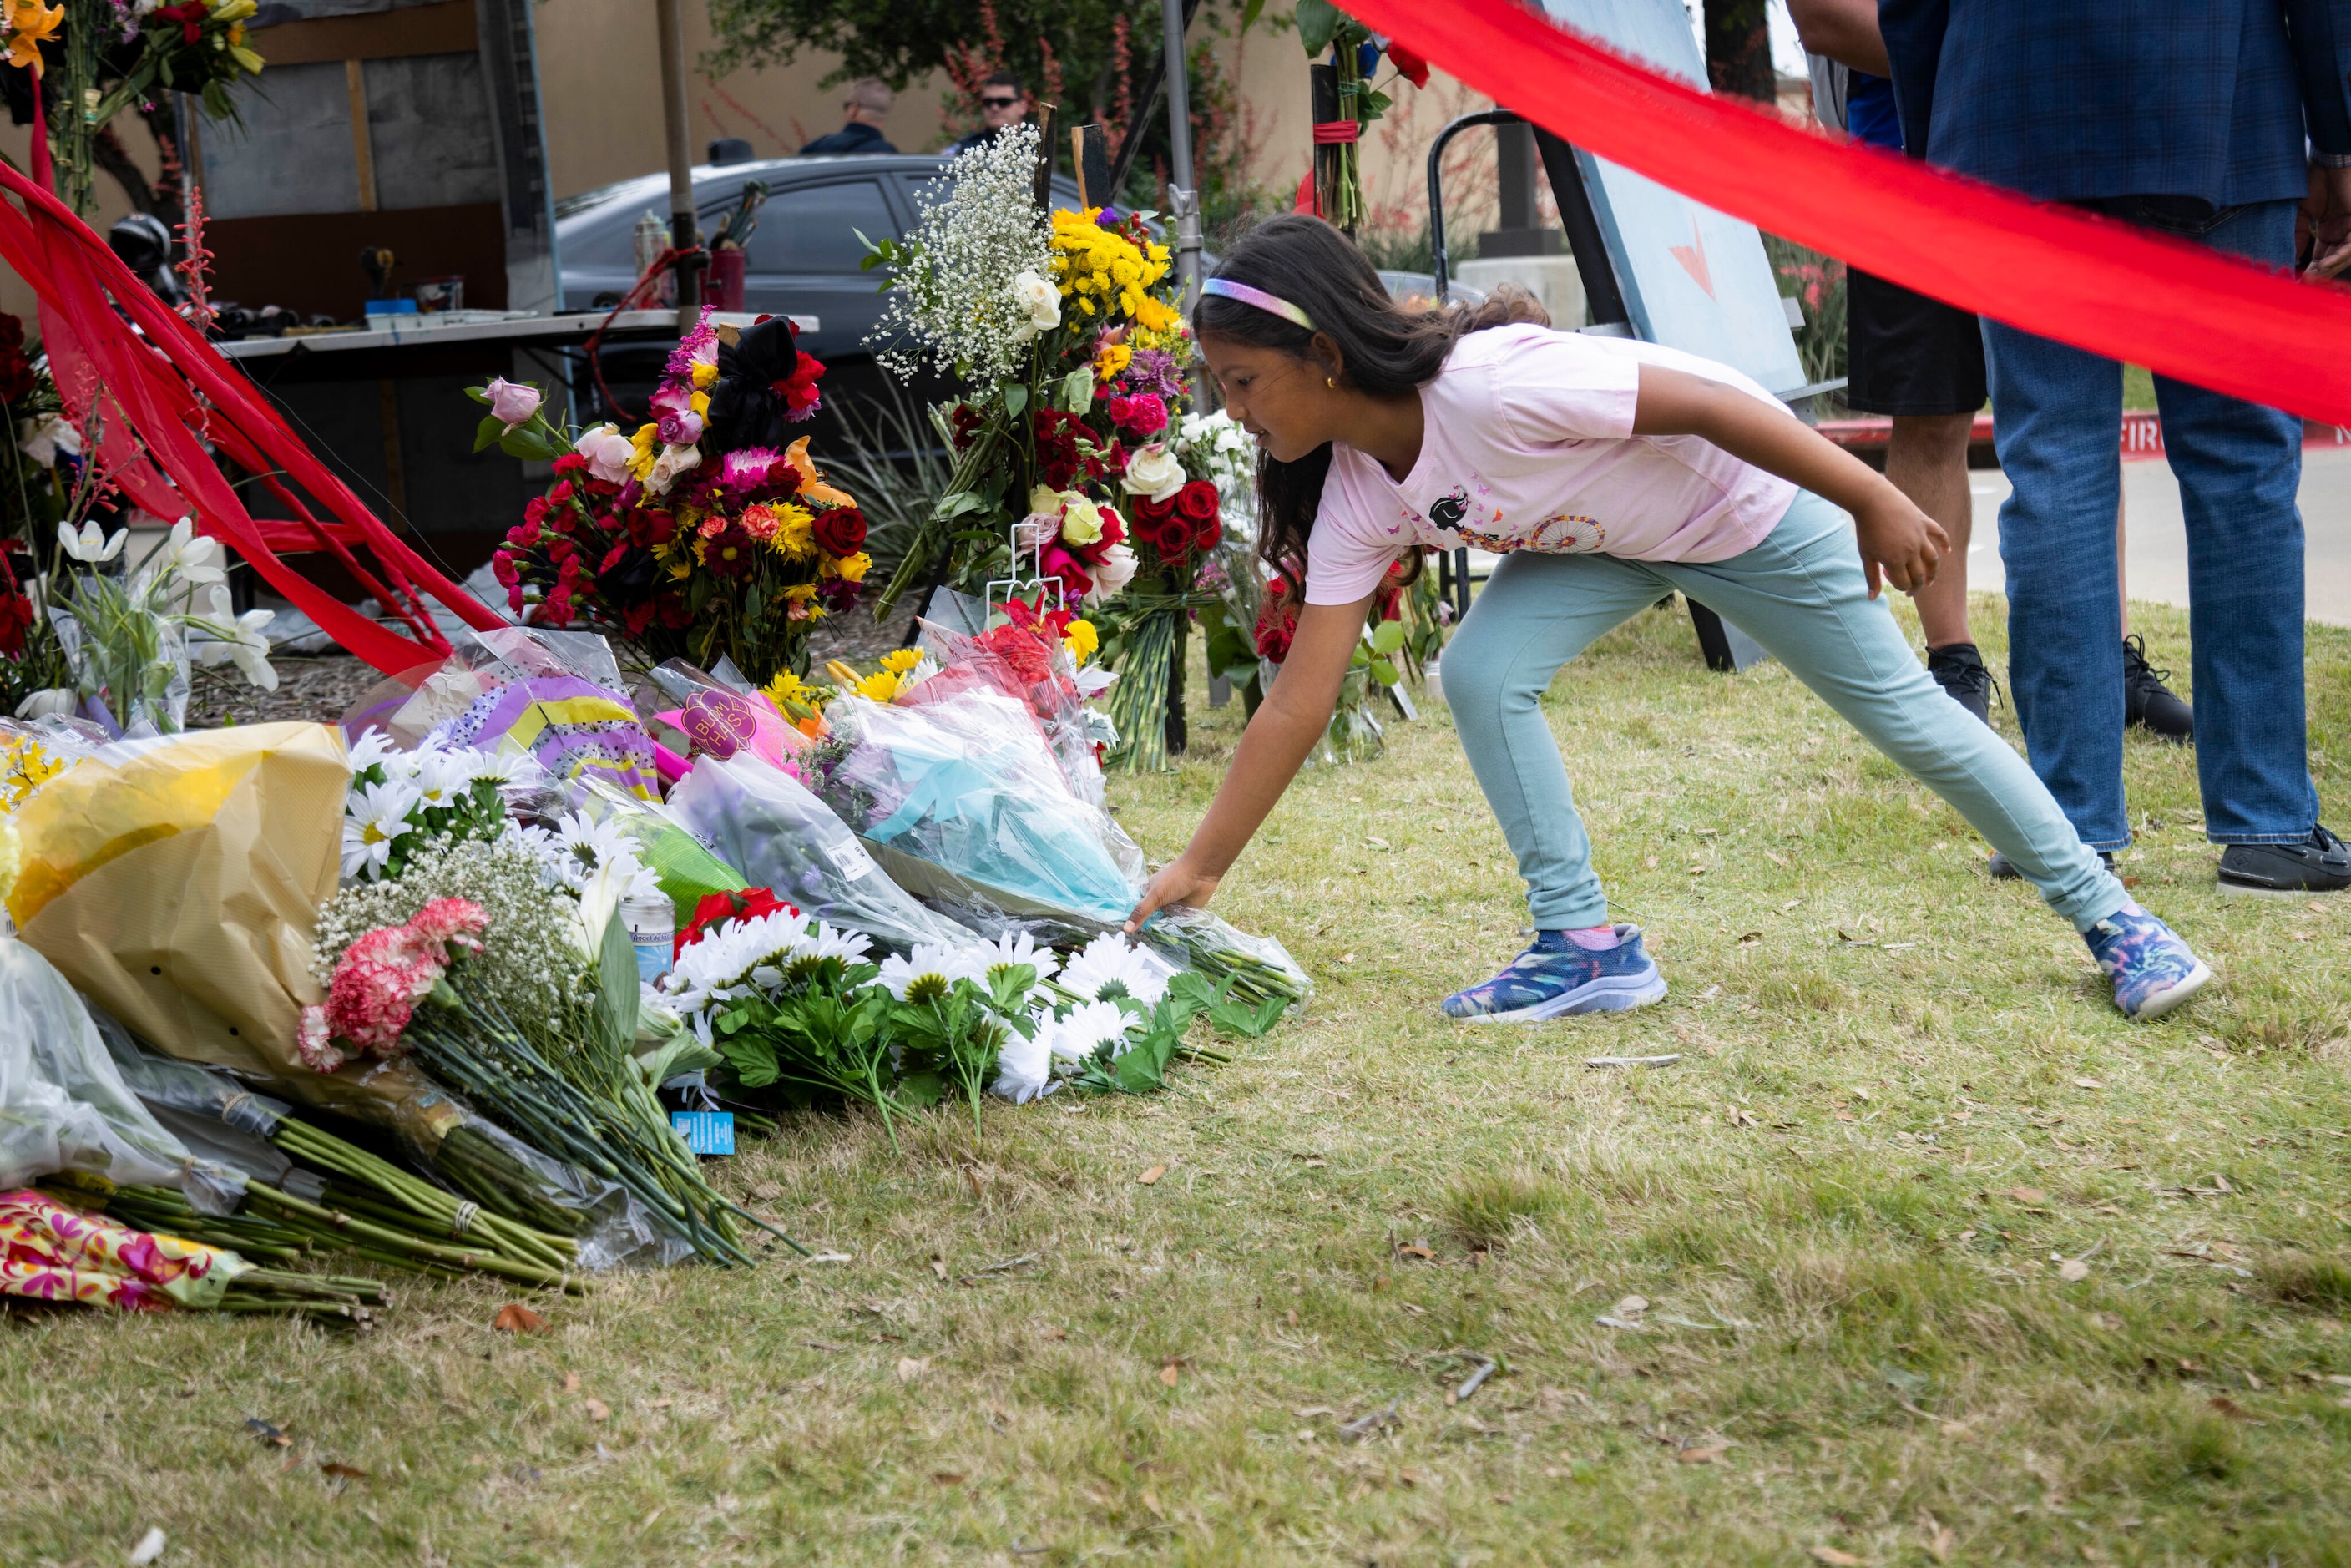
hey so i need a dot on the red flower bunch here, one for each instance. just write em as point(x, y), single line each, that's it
point(15, 609)
point(1277, 623)
point(715, 909)
point(1186, 522)
point(17, 378)
point(799, 388)
point(1061, 461)
point(966, 422)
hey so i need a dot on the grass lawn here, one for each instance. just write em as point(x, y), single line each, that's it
point(1936, 1257)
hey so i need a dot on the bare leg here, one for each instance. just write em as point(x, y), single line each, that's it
point(1928, 461)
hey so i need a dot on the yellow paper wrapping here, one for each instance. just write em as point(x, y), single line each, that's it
point(178, 887)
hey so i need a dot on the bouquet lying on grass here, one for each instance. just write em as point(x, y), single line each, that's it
point(797, 1010)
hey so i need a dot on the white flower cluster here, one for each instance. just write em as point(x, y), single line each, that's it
point(738, 958)
point(957, 305)
point(530, 963)
point(1103, 970)
point(1215, 446)
point(401, 802)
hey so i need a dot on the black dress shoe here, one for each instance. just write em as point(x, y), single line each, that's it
point(2319, 863)
point(2147, 702)
point(1960, 670)
point(2000, 871)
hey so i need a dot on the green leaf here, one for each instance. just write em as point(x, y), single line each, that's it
point(487, 433)
point(1388, 638)
point(752, 1060)
point(1384, 673)
point(1078, 389)
point(958, 504)
point(1250, 12)
point(1015, 398)
point(918, 1089)
point(615, 1018)
point(1318, 21)
point(1375, 104)
point(479, 394)
point(1239, 1018)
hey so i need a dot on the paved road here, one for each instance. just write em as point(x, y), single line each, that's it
point(2157, 550)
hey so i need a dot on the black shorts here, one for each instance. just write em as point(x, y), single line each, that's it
point(1908, 354)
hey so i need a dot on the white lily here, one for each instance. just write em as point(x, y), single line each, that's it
point(197, 561)
point(91, 545)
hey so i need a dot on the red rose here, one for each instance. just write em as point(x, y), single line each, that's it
point(1275, 627)
point(571, 462)
point(1198, 504)
point(840, 530)
point(1171, 539)
point(1409, 66)
point(1149, 513)
point(718, 908)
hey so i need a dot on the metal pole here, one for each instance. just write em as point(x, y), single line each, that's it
point(1182, 194)
point(683, 233)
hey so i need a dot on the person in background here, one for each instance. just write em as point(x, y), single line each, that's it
point(1921, 362)
point(1003, 102)
point(867, 106)
point(2213, 122)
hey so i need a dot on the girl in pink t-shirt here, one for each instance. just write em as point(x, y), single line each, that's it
point(1608, 473)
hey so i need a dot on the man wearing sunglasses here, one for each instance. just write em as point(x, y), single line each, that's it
point(867, 106)
point(1003, 102)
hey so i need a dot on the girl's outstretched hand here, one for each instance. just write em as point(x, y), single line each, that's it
point(1176, 882)
point(1899, 543)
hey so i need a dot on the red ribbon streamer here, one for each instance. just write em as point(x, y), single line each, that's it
point(2106, 286)
point(159, 391)
point(1327, 132)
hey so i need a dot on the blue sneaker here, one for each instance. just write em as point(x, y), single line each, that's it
point(1555, 977)
point(2153, 970)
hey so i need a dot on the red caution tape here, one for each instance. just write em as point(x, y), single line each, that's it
point(2104, 285)
point(157, 392)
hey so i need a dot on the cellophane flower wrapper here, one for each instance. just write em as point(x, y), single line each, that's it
point(770, 828)
point(63, 1105)
point(1044, 681)
point(968, 781)
point(687, 867)
point(557, 696)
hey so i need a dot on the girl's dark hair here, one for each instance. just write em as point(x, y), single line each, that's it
point(1384, 350)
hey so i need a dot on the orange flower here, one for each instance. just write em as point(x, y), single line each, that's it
point(31, 25)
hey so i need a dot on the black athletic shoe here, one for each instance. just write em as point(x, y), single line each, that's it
point(2147, 702)
point(1960, 670)
point(2319, 863)
point(2002, 871)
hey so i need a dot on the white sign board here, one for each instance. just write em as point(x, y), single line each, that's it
point(1693, 278)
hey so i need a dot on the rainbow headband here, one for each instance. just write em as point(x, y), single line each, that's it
point(1248, 294)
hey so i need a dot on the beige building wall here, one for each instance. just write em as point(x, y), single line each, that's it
point(603, 118)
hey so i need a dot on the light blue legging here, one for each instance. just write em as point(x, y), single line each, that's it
point(1800, 593)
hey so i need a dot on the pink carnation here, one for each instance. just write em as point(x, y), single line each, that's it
point(381, 979)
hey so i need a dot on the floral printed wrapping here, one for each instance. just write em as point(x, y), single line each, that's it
point(52, 1253)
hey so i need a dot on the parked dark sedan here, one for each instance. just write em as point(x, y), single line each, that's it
point(803, 257)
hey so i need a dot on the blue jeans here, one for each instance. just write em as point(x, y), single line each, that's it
point(2057, 424)
point(1800, 593)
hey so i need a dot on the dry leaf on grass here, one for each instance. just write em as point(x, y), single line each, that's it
point(2072, 1270)
point(1700, 1456)
point(2230, 1408)
point(571, 1383)
point(910, 1367)
point(343, 1472)
point(1151, 1176)
point(516, 1318)
point(267, 1433)
point(2028, 1196)
point(1416, 1251)
point(2087, 1084)
point(1170, 1374)
point(596, 1409)
point(1057, 1333)
point(947, 1478)
point(1836, 1559)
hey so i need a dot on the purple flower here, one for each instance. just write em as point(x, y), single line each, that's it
point(691, 348)
point(1153, 371)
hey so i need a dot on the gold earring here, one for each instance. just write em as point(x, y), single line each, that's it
point(1331, 382)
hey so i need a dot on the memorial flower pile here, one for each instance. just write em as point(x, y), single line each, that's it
point(706, 535)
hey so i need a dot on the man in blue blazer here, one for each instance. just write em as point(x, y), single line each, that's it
point(2213, 120)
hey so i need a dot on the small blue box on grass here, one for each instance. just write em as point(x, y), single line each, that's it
point(706, 1132)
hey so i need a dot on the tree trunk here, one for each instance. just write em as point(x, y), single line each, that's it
point(1738, 48)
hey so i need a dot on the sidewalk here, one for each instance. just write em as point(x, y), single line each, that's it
point(2157, 558)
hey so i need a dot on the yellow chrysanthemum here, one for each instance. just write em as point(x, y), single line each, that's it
point(1080, 639)
point(787, 687)
point(1112, 362)
point(900, 660)
point(795, 535)
point(881, 687)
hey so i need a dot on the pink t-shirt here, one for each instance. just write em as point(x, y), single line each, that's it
point(1529, 444)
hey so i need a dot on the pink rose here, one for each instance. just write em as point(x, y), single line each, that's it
point(514, 403)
